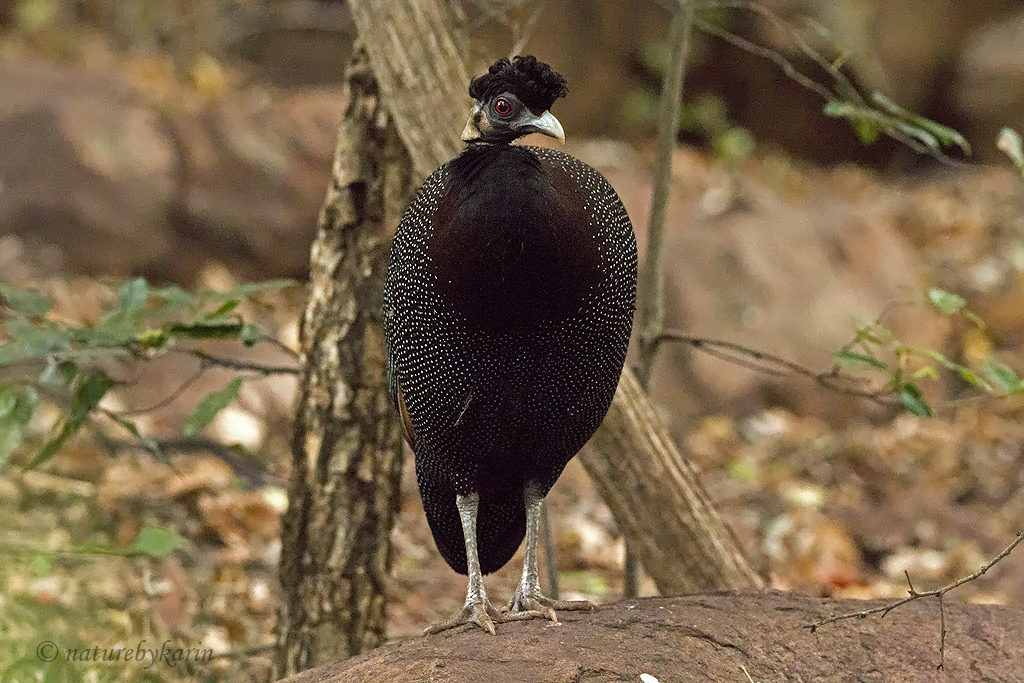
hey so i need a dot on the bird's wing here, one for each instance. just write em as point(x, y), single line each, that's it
point(407, 430)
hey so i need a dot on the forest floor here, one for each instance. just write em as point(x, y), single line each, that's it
point(827, 505)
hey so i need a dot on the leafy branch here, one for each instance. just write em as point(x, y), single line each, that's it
point(46, 359)
point(151, 541)
point(870, 116)
point(890, 370)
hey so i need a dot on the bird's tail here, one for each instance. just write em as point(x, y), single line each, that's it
point(500, 526)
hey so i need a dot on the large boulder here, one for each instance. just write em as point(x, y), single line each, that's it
point(714, 637)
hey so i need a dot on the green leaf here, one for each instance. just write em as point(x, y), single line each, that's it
point(225, 308)
point(846, 358)
point(743, 470)
point(58, 373)
point(247, 289)
point(946, 302)
point(968, 375)
point(926, 371)
point(132, 296)
point(250, 334)
point(31, 340)
point(919, 134)
point(949, 137)
point(117, 326)
point(157, 542)
point(151, 339)
point(17, 404)
point(910, 397)
point(1002, 377)
point(8, 400)
point(926, 130)
point(174, 298)
point(30, 301)
point(92, 385)
point(41, 565)
point(210, 406)
point(837, 109)
point(205, 330)
point(1010, 144)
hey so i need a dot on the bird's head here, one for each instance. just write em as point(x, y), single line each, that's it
point(512, 100)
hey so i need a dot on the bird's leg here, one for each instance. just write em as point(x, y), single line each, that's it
point(478, 609)
point(528, 598)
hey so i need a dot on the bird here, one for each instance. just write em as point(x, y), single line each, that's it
point(508, 306)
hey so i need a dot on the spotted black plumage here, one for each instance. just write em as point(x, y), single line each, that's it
point(508, 306)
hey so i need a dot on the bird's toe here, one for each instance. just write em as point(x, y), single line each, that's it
point(535, 602)
point(482, 614)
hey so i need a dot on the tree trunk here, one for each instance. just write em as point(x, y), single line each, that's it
point(659, 504)
point(346, 450)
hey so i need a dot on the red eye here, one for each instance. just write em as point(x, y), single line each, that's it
point(502, 106)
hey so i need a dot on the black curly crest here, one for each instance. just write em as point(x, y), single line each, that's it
point(534, 83)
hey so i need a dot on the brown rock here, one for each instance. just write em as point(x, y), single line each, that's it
point(714, 637)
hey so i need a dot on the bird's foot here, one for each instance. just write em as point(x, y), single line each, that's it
point(533, 602)
point(483, 614)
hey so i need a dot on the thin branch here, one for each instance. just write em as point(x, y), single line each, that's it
point(914, 594)
point(234, 364)
point(771, 55)
point(843, 84)
point(243, 465)
point(651, 288)
point(651, 299)
point(780, 367)
point(169, 399)
point(522, 34)
point(844, 88)
point(281, 346)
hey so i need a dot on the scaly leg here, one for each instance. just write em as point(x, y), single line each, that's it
point(478, 609)
point(528, 599)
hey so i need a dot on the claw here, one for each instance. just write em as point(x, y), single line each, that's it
point(536, 603)
point(484, 615)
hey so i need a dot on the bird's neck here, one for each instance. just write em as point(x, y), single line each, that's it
point(498, 245)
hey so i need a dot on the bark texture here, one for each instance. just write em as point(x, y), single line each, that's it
point(713, 637)
point(343, 497)
point(416, 52)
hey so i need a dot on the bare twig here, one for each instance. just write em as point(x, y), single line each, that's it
point(778, 58)
point(521, 33)
point(651, 294)
point(241, 365)
point(281, 346)
point(843, 84)
point(170, 398)
point(915, 594)
point(781, 367)
point(244, 466)
point(651, 290)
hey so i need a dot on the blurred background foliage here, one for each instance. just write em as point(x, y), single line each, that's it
point(189, 142)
